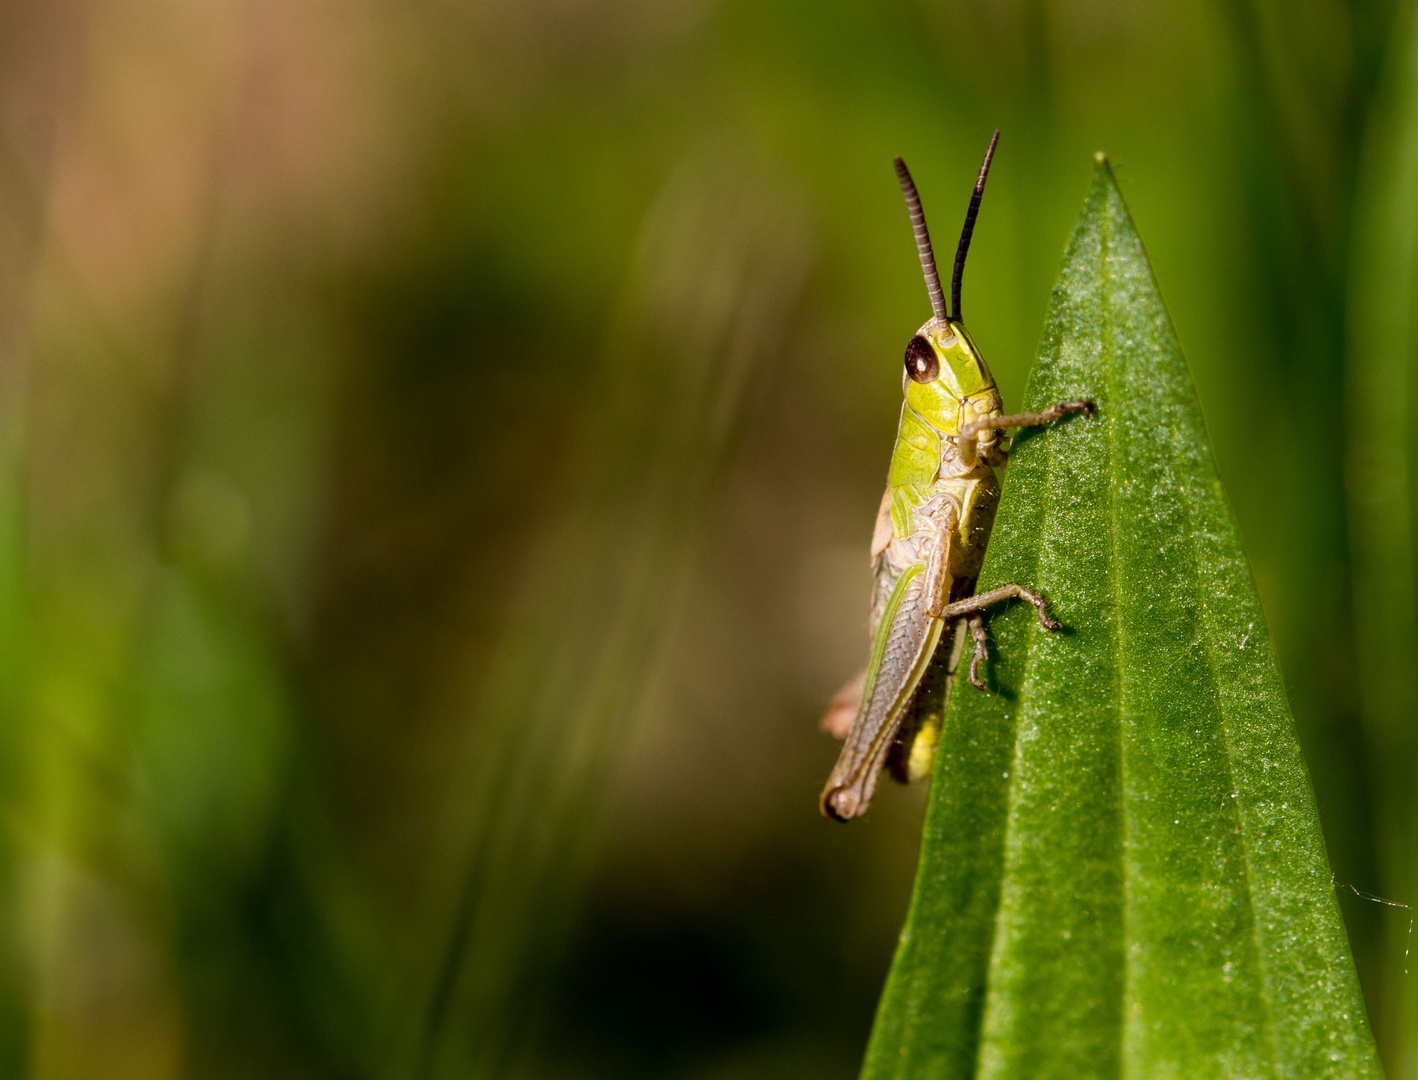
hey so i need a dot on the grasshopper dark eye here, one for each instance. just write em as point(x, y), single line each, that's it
point(921, 362)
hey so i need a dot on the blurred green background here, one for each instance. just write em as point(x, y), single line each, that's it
point(438, 447)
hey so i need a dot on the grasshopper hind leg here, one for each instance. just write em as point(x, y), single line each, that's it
point(902, 652)
point(913, 750)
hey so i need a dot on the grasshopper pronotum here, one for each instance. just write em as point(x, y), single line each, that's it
point(930, 535)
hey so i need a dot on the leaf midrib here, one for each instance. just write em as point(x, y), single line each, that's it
point(1105, 240)
point(1022, 707)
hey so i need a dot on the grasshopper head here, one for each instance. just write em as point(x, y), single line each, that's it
point(946, 376)
point(947, 381)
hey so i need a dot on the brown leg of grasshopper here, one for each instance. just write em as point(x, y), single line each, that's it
point(980, 601)
point(1034, 419)
point(976, 622)
point(933, 585)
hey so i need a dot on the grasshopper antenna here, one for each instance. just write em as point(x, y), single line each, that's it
point(969, 229)
point(923, 241)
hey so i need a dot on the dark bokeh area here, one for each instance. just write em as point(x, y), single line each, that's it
point(438, 447)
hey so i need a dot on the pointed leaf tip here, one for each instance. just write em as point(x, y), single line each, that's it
point(1121, 869)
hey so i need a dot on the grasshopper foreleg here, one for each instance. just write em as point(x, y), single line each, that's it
point(1034, 419)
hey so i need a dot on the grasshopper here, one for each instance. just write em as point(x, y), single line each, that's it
point(929, 541)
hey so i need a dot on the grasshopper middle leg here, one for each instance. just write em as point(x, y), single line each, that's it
point(937, 604)
point(936, 584)
point(970, 608)
point(980, 601)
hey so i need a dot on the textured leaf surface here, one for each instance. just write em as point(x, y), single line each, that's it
point(1121, 871)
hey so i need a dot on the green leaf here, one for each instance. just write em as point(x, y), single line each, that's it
point(1121, 872)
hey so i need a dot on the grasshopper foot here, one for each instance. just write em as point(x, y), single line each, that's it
point(976, 622)
point(1041, 607)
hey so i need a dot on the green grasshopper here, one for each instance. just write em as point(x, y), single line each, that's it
point(929, 542)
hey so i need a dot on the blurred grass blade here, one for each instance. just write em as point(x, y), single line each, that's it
point(720, 261)
point(1122, 871)
point(1380, 447)
point(25, 174)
